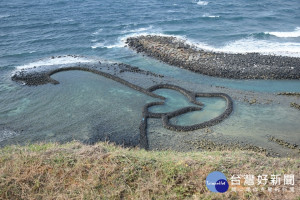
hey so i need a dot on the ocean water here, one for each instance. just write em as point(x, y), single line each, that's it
point(31, 32)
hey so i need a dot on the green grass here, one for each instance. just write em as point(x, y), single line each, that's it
point(107, 171)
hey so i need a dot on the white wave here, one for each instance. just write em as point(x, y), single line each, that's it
point(251, 45)
point(171, 11)
point(211, 16)
point(58, 60)
point(4, 16)
point(97, 45)
point(97, 32)
point(138, 30)
point(202, 3)
point(62, 21)
point(119, 44)
point(6, 134)
point(247, 45)
point(121, 40)
point(295, 33)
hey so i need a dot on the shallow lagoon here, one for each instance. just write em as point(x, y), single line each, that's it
point(83, 106)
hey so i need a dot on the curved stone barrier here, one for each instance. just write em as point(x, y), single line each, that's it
point(148, 114)
point(229, 105)
point(143, 125)
point(192, 97)
point(45, 77)
point(39, 78)
point(178, 52)
point(168, 125)
point(214, 121)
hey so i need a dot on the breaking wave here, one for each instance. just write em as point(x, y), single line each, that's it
point(295, 33)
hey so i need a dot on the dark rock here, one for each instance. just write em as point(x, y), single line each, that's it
point(176, 52)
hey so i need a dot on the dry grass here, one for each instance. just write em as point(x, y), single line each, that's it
point(106, 171)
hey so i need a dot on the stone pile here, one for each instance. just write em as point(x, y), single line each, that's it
point(177, 52)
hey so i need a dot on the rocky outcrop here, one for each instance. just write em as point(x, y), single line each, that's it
point(295, 105)
point(177, 52)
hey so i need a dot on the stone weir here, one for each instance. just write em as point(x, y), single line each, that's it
point(35, 78)
point(178, 52)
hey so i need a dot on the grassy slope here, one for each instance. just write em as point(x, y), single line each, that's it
point(106, 171)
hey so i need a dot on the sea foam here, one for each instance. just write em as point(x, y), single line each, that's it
point(97, 32)
point(202, 3)
point(4, 16)
point(210, 16)
point(251, 45)
point(97, 45)
point(295, 33)
point(120, 42)
point(246, 45)
point(138, 29)
point(6, 134)
point(58, 61)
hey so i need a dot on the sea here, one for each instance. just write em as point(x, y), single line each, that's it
point(85, 106)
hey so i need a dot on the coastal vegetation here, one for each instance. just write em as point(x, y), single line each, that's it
point(106, 171)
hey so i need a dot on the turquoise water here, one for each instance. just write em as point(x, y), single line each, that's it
point(212, 108)
point(89, 108)
point(174, 101)
point(84, 107)
point(185, 75)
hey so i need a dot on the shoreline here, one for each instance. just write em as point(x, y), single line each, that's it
point(177, 52)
